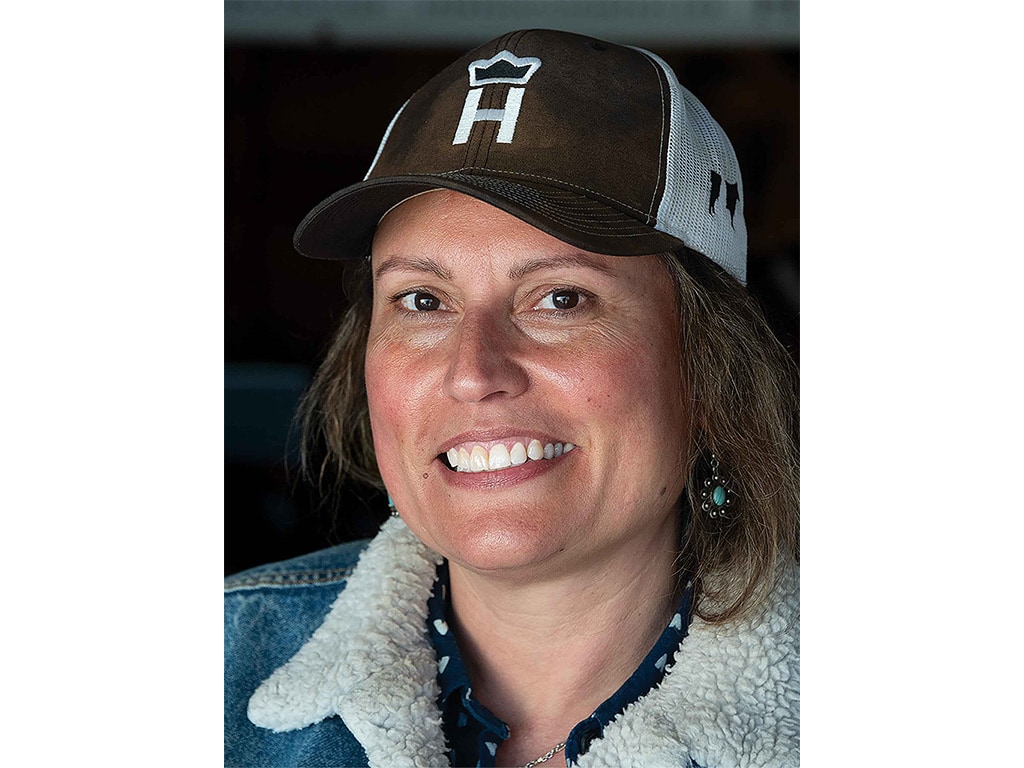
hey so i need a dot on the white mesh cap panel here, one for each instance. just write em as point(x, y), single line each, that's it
point(697, 145)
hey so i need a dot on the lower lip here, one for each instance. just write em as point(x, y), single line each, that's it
point(502, 478)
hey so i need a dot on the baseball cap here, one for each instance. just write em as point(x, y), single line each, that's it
point(594, 143)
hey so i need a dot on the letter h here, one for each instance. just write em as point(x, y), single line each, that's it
point(507, 116)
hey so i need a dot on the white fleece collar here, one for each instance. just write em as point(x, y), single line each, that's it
point(731, 698)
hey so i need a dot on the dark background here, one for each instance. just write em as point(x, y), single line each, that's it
point(303, 117)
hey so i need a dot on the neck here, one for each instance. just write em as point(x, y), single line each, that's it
point(543, 653)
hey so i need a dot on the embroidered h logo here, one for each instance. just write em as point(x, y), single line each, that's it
point(504, 67)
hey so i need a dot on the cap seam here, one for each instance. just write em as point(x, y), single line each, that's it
point(661, 136)
point(512, 45)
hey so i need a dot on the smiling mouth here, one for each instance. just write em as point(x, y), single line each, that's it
point(473, 457)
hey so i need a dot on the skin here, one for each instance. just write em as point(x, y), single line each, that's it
point(486, 328)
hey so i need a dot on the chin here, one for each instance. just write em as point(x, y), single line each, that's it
point(493, 541)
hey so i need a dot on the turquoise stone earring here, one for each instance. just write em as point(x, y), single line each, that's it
point(391, 506)
point(717, 496)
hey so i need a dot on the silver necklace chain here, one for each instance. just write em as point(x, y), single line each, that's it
point(545, 757)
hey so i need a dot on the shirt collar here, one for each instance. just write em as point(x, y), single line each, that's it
point(453, 677)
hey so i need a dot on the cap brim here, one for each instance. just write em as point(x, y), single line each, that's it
point(342, 226)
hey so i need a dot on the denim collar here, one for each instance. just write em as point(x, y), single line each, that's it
point(372, 663)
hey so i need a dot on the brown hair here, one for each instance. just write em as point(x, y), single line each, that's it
point(743, 386)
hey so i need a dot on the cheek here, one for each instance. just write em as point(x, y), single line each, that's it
point(401, 389)
point(638, 411)
point(623, 380)
point(385, 394)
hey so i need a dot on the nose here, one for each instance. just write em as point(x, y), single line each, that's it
point(485, 361)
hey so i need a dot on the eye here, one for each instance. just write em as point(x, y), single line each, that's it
point(561, 299)
point(420, 301)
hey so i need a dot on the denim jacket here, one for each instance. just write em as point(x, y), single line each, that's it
point(269, 613)
point(328, 663)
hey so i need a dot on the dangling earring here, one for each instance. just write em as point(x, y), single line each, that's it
point(716, 494)
point(391, 506)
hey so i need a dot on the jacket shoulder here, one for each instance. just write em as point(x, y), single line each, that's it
point(326, 566)
point(269, 613)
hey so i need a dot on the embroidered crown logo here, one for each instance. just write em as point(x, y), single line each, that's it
point(504, 67)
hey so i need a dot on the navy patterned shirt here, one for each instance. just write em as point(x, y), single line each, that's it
point(473, 733)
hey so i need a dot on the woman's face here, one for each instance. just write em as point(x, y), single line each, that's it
point(489, 336)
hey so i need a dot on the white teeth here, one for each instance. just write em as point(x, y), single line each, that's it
point(518, 455)
point(498, 458)
point(478, 459)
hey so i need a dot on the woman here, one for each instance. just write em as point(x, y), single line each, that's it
point(585, 428)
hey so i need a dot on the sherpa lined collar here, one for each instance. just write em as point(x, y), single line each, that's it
point(731, 698)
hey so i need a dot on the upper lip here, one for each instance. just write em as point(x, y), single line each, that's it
point(500, 435)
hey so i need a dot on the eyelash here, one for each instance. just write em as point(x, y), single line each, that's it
point(399, 298)
point(586, 297)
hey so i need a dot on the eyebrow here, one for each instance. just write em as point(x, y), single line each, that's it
point(569, 260)
point(517, 272)
point(405, 263)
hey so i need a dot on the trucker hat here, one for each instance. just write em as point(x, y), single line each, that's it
point(594, 143)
